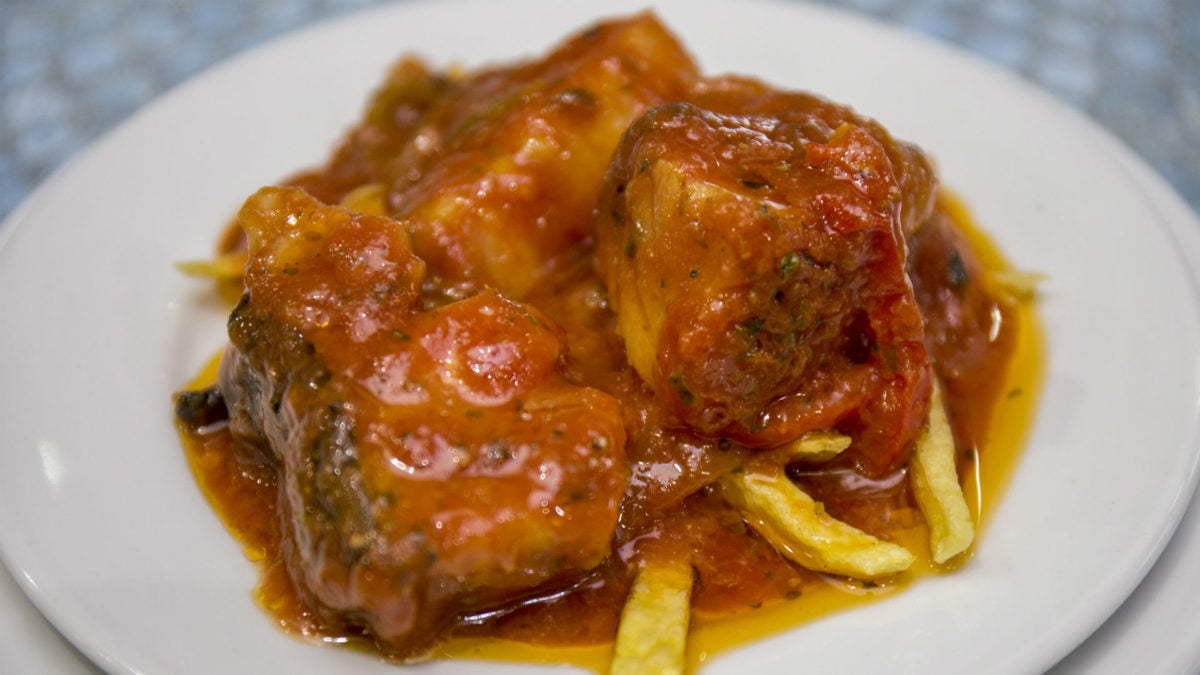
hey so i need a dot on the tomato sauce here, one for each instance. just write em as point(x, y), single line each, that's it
point(991, 367)
point(794, 281)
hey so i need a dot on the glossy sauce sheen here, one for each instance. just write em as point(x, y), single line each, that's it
point(484, 175)
point(751, 592)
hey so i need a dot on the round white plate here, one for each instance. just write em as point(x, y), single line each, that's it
point(104, 528)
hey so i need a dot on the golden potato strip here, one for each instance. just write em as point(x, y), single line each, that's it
point(223, 268)
point(654, 624)
point(369, 198)
point(1020, 284)
point(934, 474)
point(798, 526)
point(818, 446)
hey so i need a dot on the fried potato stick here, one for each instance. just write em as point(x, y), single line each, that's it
point(818, 446)
point(368, 198)
point(799, 527)
point(934, 475)
point(1020, 284)
point(652, 636)
point(222, 268)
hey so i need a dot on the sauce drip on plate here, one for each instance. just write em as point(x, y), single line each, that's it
point(745, 589)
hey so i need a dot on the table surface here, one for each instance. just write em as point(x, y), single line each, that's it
point(72, 69)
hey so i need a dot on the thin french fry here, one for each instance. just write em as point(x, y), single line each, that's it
point(1020, 284)
point(934, 475)
point(652, 635)
point(367, 198)
point(801, 529)
point(221, 268)
point(818, 446)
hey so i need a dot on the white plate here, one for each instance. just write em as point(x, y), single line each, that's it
point(104, 528)
point(1155, 630)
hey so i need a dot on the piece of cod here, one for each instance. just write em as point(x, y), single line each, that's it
point(496, 171)
point(433, 464)
point(752, 243)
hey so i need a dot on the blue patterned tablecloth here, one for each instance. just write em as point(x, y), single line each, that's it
point(71, 69)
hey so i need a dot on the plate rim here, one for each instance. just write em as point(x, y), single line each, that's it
point(23, 213)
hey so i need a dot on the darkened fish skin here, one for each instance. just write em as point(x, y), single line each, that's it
point(431, 463)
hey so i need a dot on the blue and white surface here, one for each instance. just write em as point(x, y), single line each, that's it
point(71, 70)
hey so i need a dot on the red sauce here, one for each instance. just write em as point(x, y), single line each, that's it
point(745, 589)
point(489, 186)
